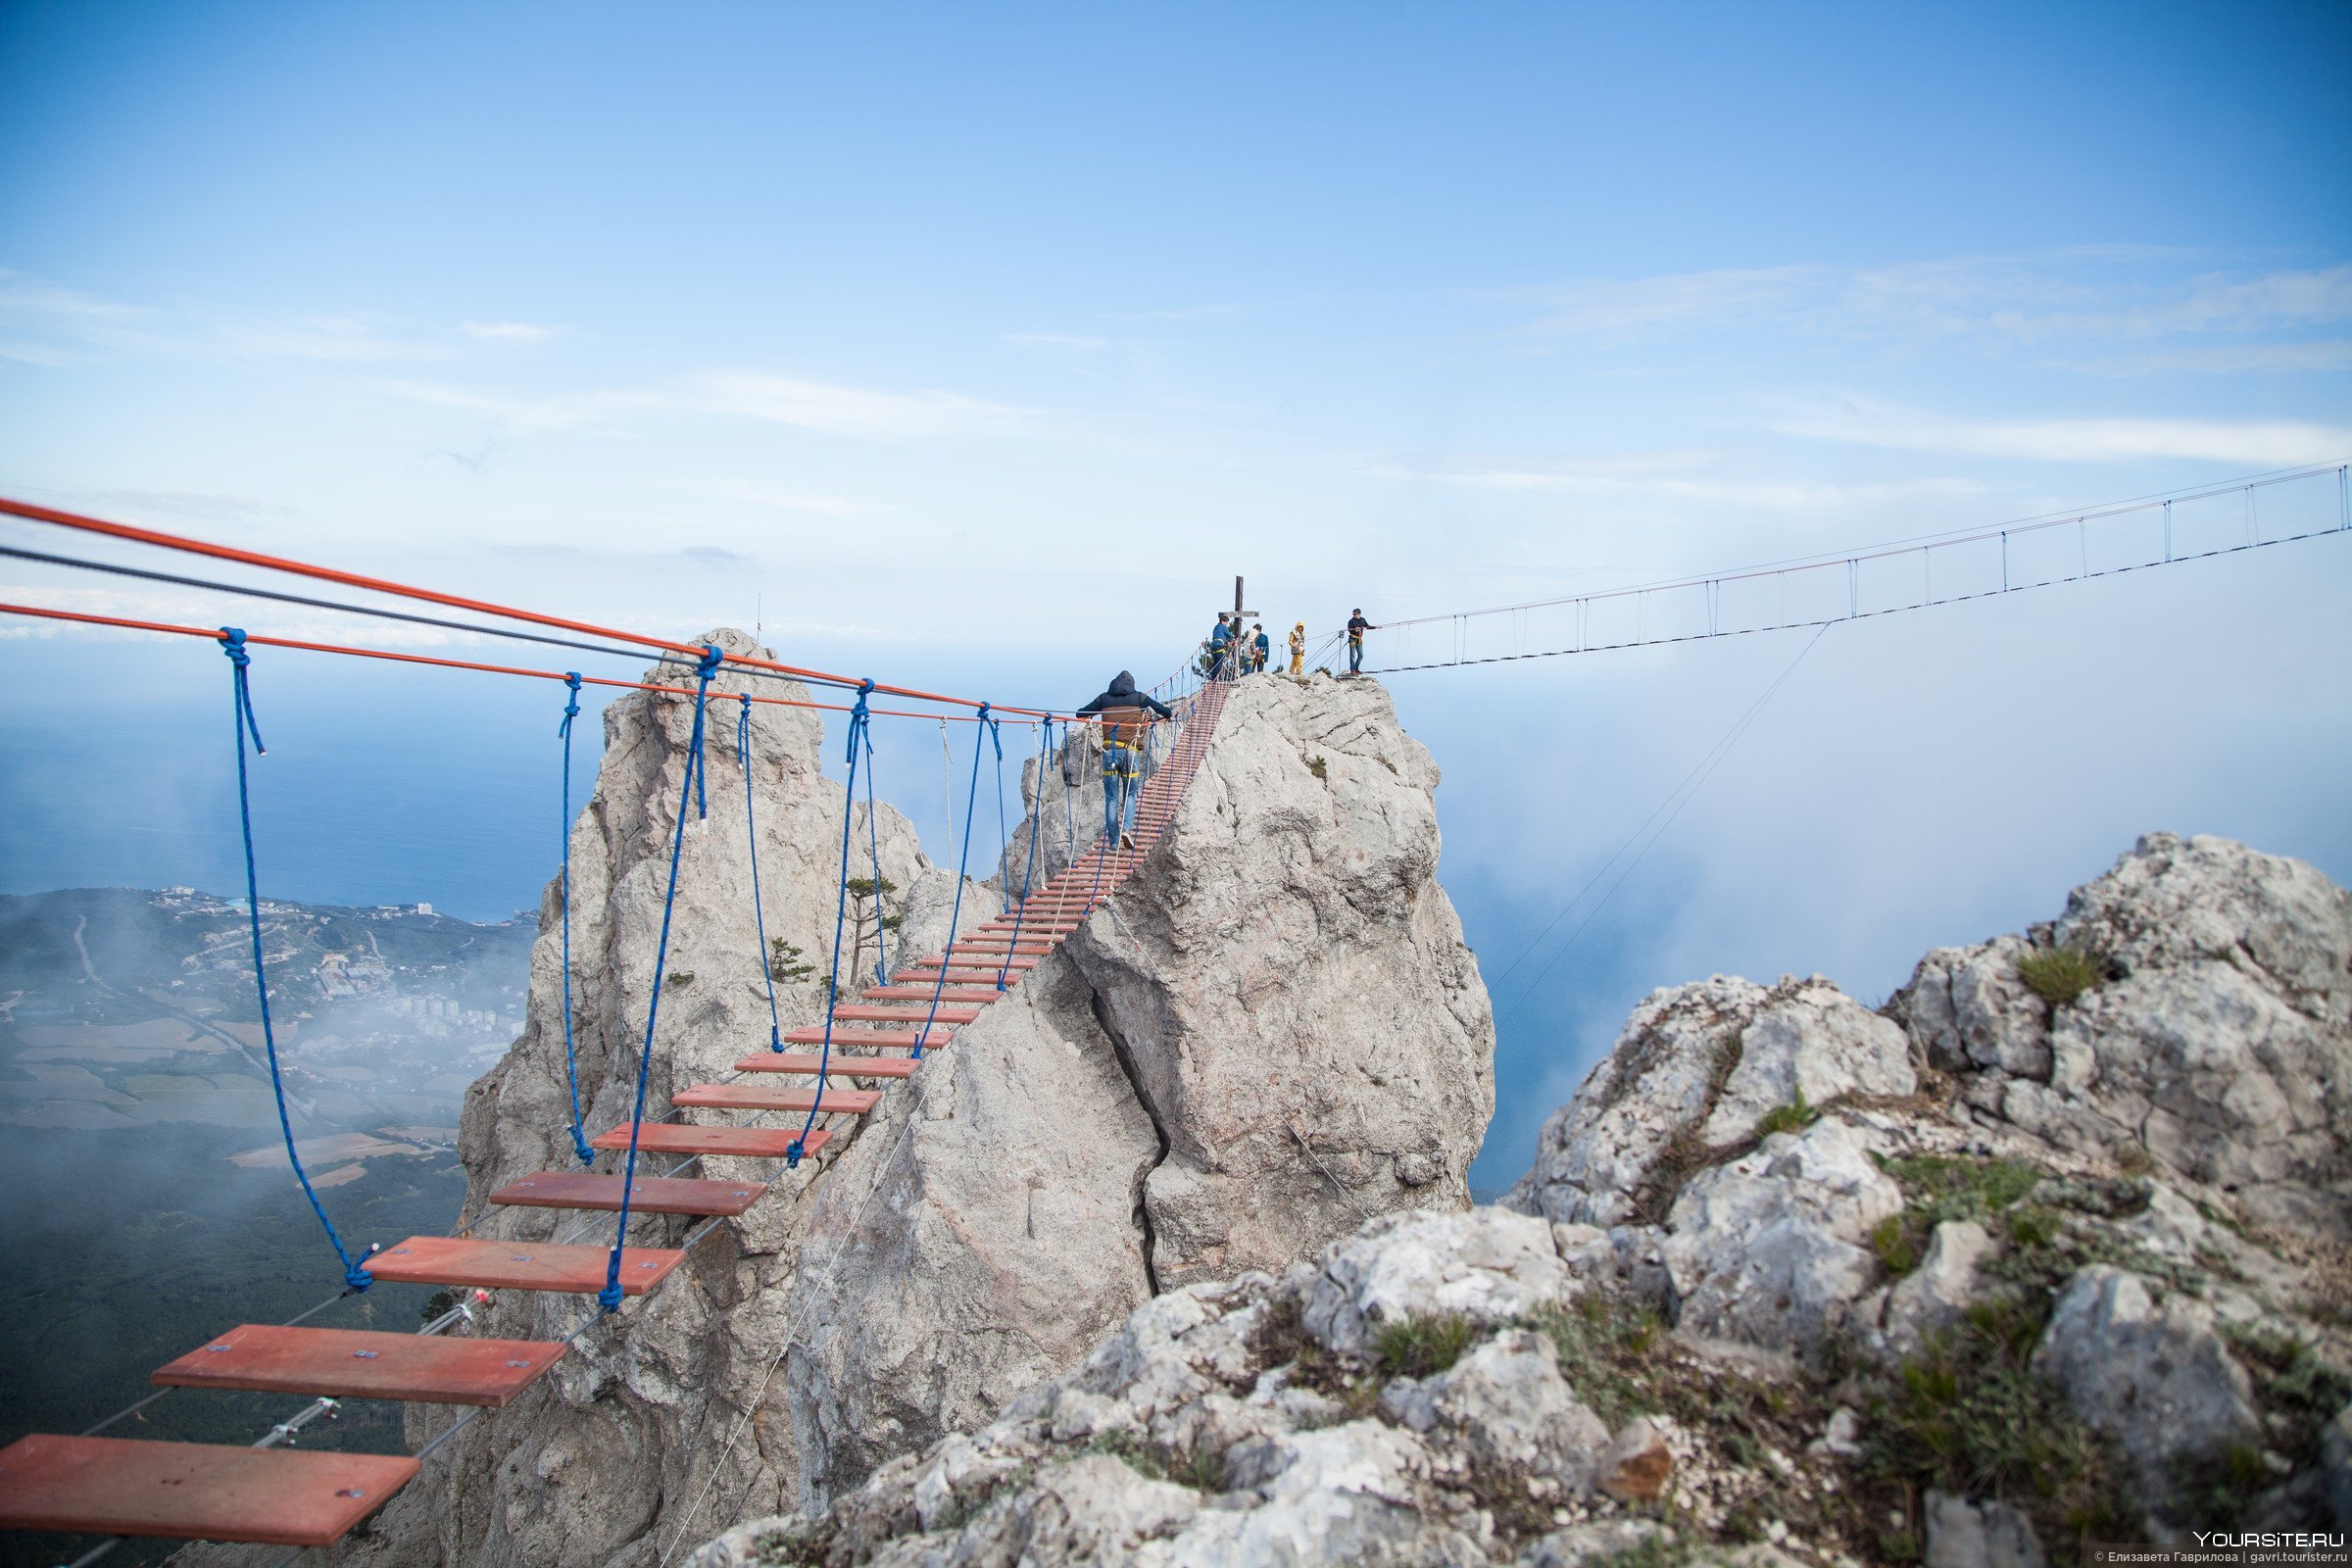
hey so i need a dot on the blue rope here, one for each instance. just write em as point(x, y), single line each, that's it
point(610, 1296)
point(841, 910)
point(873, 838)
point(572, 1065)
point(963, 856)
point(1020, 911)
point(232, 643)
point(743, 746)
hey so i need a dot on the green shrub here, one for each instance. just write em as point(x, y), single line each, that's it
point(1967, 1415)
point(1794, 1117)
point(1896, 1247)
point(2059, 975)
point(1419, 1347)
point(2032, 1225)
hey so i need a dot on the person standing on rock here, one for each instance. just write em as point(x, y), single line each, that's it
point(1259, 647)
point(1358, 625)
point(1297, 650)
point(1126, 720)
point(1220, 638)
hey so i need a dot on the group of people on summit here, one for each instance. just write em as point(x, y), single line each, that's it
point(1233, 650)
point(1128, 715)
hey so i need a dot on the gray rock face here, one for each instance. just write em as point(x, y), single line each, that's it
point(2222, 1047)
point(1769, 1248)
point(1506, 1405)
point(2154, 1375)
point(1290, 989)
point(1933, 1297)
point(1980, 1535)
point(1489, 1265)
point(974, 1241)
point(1701, 1065)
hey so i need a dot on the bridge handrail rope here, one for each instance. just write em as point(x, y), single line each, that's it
point(571, 1064)
point(963, 857)
point(243, 722)
point(609, 1298)
point(751, 829)
point(1711, 584)
point(873, 840)
point(1020, 911)
point(301, 568)
point(841, 908)
point(258, 639)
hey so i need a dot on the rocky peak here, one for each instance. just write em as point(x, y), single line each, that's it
point(2050, 1250)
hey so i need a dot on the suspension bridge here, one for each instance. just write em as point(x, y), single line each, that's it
point(873, 1036)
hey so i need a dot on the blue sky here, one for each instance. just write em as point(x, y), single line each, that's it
point(982, 345)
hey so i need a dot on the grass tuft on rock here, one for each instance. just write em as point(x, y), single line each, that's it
point(1968, 1417)
point(1947, 1186)
point(1794, 1117)
point(2060, 975)
point(1423, 1345)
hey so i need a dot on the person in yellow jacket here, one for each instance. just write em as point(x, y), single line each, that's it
point(1299, 647)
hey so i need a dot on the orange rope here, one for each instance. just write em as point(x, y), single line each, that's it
point(199, 547)
point(212, 634)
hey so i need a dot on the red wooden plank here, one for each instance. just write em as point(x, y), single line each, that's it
point(192, 1491)
point(933, 1038)
point(361, 1365)
point(838, 1066)
point(651, 1195)
point(772, 1096)
point(519, 1265)
point(950, 993)
point(917, 973)
point(854, 1013)
point(674, 1138)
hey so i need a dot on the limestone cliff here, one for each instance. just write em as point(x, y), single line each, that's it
point(1272, 1031)
point(2048, 1251)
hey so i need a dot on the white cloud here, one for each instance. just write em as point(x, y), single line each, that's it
point(2243, 443)
point(508, 331)
point(820, 406)
point(1677, 474)
point(1055, 340)
point(851, 411)
point(791, 501)
point(2096, 296)
point(335, 339)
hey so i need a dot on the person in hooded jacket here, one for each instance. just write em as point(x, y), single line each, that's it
point(1126, 718)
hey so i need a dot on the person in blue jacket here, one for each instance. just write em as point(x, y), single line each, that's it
point(1220, 643)
point(1126, 721)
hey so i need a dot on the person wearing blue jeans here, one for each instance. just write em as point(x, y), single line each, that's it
point(1358, 625)
point(1127, 718)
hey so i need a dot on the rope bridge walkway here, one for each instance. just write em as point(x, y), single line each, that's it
point(836, 1073)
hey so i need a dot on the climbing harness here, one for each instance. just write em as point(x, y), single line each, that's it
point(962, 858)
point(572, 1065)
point(232, 643)
point(751, 828)
point(610, 1296)
point(858, 719)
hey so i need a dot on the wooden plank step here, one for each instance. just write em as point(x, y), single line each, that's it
point(653, 1194)
point(982, 974)
point(519, 1265)
point(950, 993)
point(677, 1138)
point(840, 1067)
point(193, 1490)
point(364, 1364)
point(774, 1097)
point(904, 1039)
point(853, 1014)
point(1021, 965)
